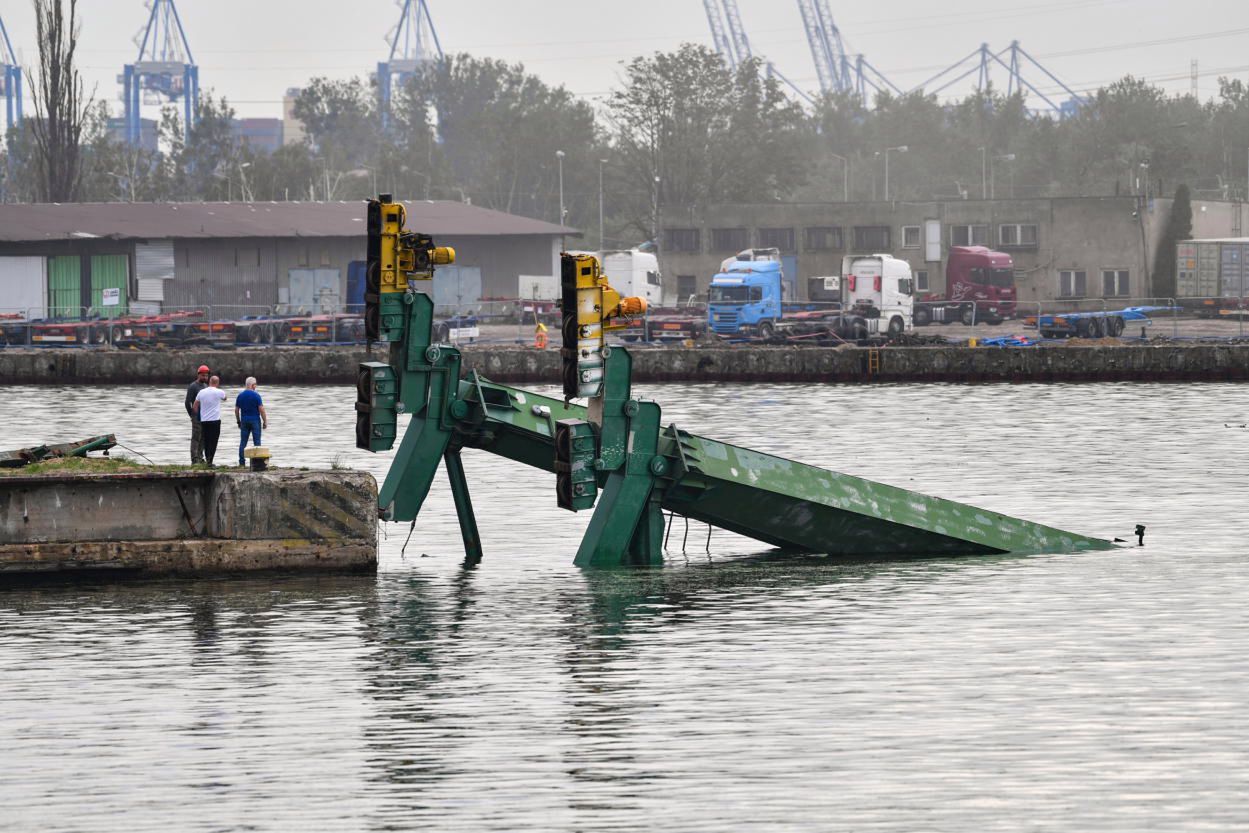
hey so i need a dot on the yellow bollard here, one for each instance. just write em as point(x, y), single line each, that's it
point(971, 342)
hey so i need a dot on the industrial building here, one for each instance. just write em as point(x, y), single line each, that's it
point(242, 257)
point(1063, 248)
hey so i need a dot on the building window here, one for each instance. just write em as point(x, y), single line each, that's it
point(687, 286)
point(729, 239)
point(1017, 236)
point(921, 280)
point(777, 238)
point(871, 238)
point(823, 238)
point(683, 240)
point(1115, 283)
point(969, 235)
point(911, 237)
point(1072, 284)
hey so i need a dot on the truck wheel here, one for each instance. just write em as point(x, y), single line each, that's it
point(116, 334)
point(896, 326)
point(766, 329)
point(923, 317)
point(969, 316)
point(1114, 326)
point(1097, 328)
point(859, 331)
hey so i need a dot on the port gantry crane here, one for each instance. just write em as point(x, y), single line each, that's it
point(840, 71)
point(730, 40)
point(413, 41)
point(165, 69)
point(836, 72)
point(614, 454)
point(10, 80)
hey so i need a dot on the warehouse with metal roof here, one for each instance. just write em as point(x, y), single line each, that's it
point(240, 258)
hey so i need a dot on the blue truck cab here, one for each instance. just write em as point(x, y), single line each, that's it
point(746, 298)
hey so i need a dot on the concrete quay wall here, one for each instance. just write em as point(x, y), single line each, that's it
point(521, 365)
point(188, 522)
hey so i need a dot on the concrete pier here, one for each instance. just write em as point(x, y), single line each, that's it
point(1086, 362)
point(188, 522)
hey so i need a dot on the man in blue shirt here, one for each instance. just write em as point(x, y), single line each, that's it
point(249, 414)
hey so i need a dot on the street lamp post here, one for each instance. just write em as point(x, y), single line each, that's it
point(845, 176)
point(559, 155)
point(655, 214)
point(1006, 157)
point(899, 149)
point(601, 244)
point(984, 173)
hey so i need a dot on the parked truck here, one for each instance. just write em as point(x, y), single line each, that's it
point(746, 297)
point(879, 290)
point(1212, 276)
point(979, 286)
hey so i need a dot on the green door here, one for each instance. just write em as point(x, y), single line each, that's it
point(110, 275)
point(64, 287)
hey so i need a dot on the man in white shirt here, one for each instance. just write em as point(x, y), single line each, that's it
point(208, 407)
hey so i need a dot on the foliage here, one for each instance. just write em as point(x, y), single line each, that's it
point(1179, 227)
point(681, 131)
point(687, 131)
point(61, 104)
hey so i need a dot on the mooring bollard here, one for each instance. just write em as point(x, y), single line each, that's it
point(259, 455)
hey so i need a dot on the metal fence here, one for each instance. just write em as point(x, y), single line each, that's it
point(1204, 318)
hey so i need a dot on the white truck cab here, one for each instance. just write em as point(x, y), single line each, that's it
point(880, 288)
point(634, 273)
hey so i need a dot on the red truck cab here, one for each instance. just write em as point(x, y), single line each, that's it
point(975, 277)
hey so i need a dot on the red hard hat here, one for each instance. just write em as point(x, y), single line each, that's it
point(203, 368)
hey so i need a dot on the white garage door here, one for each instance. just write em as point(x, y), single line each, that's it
point(23, 286)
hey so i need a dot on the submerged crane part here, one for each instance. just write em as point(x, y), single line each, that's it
point(613, 454)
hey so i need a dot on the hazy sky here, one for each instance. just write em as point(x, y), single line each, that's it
point(252, 51)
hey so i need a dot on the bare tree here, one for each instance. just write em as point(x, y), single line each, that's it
point(60, 103)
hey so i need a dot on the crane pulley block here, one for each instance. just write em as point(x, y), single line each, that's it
point(377, 417)
point(575, 449)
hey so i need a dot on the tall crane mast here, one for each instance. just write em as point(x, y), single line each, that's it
point(737, 32)
point(719, 35)
point(413, 41)
point(165, 69)
point(827, 50)
point(730, 40)
point(10, 79)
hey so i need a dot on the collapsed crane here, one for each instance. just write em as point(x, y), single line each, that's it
point(614, 454)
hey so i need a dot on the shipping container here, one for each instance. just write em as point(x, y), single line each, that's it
point(1212, 275)
point(23, 288)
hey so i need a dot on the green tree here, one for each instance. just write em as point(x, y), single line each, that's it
point(61, 104)
point(688, 132)
point(1179, 227)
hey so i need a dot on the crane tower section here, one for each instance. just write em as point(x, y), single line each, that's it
point(164, 70)
point(413, 42)
point(10, 80)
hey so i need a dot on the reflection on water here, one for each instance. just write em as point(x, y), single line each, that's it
point(741, 689)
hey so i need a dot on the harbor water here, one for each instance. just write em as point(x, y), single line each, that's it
point(734, 689)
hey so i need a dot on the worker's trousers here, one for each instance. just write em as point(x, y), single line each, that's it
point(197, 442)
point(248, 428)
point(212, 433)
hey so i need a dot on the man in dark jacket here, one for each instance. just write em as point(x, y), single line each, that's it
point(197, 432)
